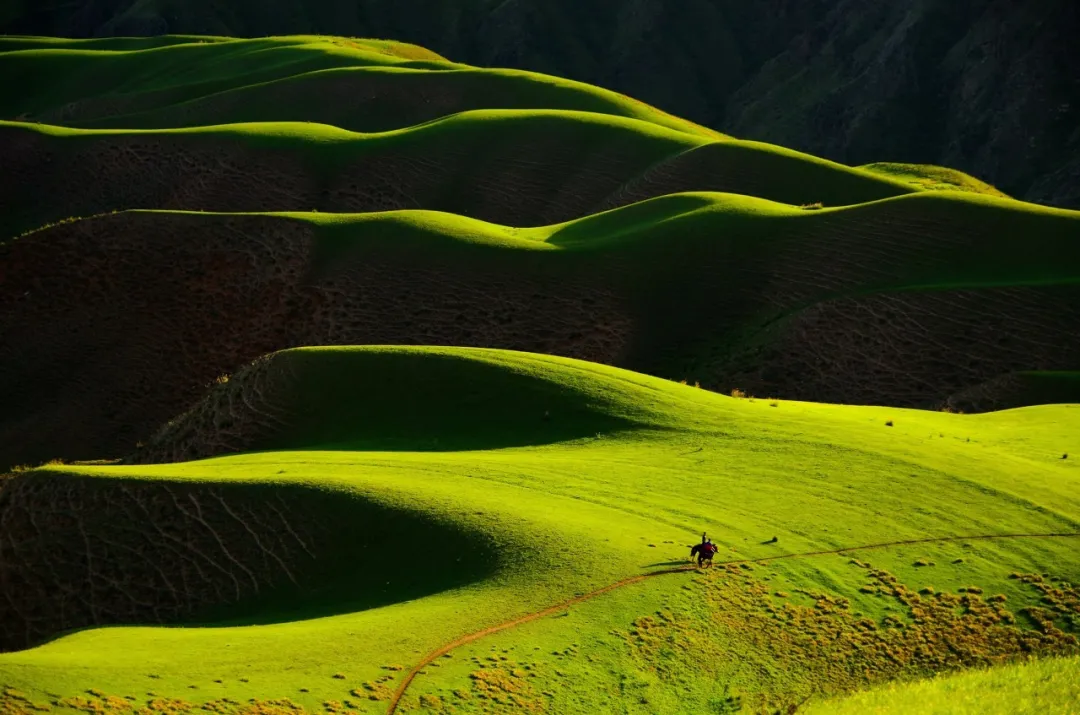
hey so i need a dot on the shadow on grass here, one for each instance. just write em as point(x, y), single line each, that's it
point(684, 562)
point(204, 554)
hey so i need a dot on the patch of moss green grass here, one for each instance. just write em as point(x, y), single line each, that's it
point(666, 461)
point(191, 82)
point(1028, 688)
point(935, 178)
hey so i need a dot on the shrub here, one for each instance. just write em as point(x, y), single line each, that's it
point(738, 394)
point(816, 206)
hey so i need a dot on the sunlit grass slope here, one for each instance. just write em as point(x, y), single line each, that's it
point(1032, 688)
point(645, 466)
point(937, 178)
point(362, 85)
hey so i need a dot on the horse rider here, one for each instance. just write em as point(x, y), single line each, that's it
point(704, 551)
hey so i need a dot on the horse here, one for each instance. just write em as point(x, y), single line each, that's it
point(704, 553)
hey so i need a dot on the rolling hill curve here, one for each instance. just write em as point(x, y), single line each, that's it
point(522, 168)
point(360, 85)
point(591, 492)
point(907, 301)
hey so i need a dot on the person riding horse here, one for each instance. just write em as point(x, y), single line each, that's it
point(704, 551)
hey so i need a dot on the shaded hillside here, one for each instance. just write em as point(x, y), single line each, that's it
point(522, 168)
point(400, 399)
point(118, 322)
point(129, 551)
point(985, 86)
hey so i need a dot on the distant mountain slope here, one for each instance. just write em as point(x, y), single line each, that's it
point(990, 87)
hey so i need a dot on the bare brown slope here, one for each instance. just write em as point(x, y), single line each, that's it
point(114, 325)
point(890, 348)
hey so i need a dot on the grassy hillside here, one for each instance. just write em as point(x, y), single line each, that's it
point(361, 85)
point(711, 288)
point(520, 167)
point(551, 522)
point(977, 86)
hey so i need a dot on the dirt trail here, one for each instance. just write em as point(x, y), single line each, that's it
point(443, 650)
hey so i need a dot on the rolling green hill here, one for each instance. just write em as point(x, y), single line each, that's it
point(727, 291)
point(520, 167)
point(981, 86)
point(353, 375)
point(639, 467)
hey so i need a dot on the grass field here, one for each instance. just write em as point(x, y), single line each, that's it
point(1036, 687)
point(599, 475)
point(261, 288)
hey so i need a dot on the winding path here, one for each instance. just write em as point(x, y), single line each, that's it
point(443, 650)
